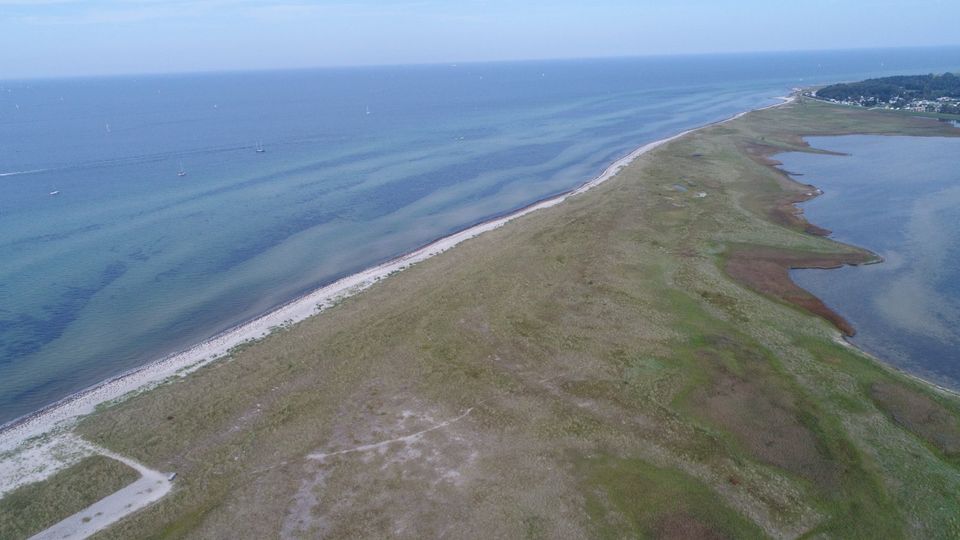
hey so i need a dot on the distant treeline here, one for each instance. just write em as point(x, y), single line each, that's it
point(906, 87)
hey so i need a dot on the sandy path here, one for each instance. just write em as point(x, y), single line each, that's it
point(150, 487)
point(406, 438)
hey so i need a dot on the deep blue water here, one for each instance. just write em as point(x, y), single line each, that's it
point(899, 197)
point(131, 262)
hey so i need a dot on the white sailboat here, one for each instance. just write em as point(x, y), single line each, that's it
point(181, 172)
point(260, 148)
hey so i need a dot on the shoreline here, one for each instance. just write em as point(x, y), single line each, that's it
point(946, 390)
point(634, 274)
point(61, 414)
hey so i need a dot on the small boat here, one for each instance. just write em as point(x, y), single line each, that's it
point(260, 148)
point(368, 110)
point(181, 172)
point(54, 193)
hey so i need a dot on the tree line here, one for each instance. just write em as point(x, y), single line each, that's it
point(905, 87)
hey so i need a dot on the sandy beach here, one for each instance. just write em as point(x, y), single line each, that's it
point(60, 416)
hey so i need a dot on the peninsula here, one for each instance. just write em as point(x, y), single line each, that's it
point(631, 361)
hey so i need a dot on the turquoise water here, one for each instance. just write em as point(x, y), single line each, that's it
point(899, 197)
point(130, 261)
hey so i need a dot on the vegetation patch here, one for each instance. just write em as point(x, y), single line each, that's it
point(920, 414)
point(767, 270)
point(629, 498)
point(762, 413)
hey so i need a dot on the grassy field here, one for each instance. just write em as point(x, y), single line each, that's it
point(612, 367)
point(32, 508)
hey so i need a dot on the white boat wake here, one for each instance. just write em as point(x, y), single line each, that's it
point(17, 173)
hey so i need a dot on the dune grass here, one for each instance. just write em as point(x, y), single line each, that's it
point(637, 499)
point(601, 373)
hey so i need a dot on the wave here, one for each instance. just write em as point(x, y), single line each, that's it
point(15, 173)
point(132, 159)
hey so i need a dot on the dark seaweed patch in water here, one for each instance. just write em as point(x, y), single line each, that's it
point(620, 127)
point(30, 240)
point(138, 255)
point(254, 246)
point(374, 203)
point(395, 195)
point(47, 386)
point(275, 236)
point(322, 166)
point(25, 334)
point(319, 166)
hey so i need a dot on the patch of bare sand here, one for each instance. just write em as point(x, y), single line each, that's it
point(411, 446)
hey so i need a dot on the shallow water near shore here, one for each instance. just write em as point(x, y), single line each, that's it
point(899, 197)
point(128, 261)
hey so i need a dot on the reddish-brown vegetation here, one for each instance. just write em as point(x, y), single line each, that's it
point(767, 270)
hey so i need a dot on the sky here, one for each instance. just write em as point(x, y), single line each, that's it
point(48, 38)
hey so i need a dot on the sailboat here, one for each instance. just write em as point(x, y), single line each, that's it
point(181, 172)
point(260, 148)
point(368, 110)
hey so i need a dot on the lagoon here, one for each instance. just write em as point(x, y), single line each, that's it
point(900, 198)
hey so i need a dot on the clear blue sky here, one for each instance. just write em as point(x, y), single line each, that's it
point(82, 37)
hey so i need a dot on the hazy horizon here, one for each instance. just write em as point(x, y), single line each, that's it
point(215, 71)
point(68, 38)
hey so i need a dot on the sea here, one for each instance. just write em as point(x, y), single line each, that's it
point(110, 258)
point(900, 198)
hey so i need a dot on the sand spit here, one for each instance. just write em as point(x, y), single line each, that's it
point(57, 419)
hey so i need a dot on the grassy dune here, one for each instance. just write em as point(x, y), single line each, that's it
point(611, 367)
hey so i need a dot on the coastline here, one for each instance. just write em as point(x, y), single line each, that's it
point(61, 415)
point(845, 342)
point(387, 382)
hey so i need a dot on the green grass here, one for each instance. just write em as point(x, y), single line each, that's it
point(619, 382)
point(34, 507)
point(633, 499)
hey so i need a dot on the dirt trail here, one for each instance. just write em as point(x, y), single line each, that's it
point(406, 438)
point(150, 487)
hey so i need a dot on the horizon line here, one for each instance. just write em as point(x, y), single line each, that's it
point(224, 71)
